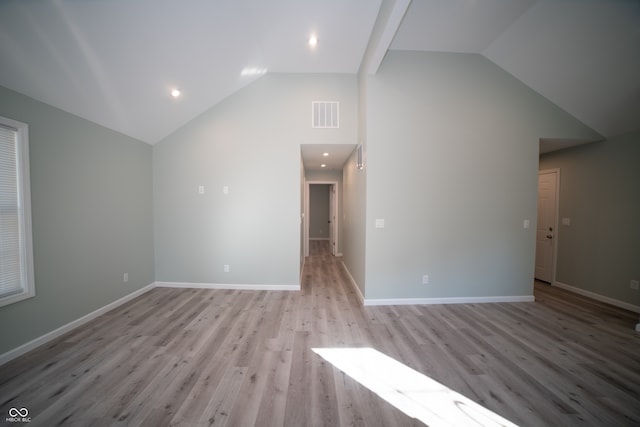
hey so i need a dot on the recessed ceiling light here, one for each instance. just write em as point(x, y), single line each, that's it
point(313, 41)
point(323, 165)
point(325, 154)
point(175, 93)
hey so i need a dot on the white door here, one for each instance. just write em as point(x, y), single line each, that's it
point(332, 218)
point(547, 222)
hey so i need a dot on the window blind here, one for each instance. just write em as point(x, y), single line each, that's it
point(10, 260)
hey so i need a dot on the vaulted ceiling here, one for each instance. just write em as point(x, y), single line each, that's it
point(114, 62)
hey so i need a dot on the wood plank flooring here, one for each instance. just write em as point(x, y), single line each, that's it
point(240, 358)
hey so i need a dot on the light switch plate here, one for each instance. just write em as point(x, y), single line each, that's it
point(379, 223)
point(566, 221)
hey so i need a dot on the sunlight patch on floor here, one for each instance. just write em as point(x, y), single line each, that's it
point(413, 393)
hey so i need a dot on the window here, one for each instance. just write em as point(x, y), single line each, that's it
point(16, 257)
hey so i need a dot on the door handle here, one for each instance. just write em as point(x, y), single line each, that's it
point(549, 236)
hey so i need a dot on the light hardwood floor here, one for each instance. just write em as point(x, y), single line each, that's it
point(240, 358)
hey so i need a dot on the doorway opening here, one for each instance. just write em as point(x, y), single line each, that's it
point(322, 164)
point(321, 220)
point(547, 225)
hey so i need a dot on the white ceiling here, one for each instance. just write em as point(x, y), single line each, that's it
point(583, 55)
point(313, 156)
point(114, 61)
point(456, 25)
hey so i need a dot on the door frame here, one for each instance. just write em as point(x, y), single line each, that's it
point(307, 214)
point(556, 222)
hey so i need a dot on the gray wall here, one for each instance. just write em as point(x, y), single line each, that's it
point(91, 191)
point(251, 143)
point(451, 161)
point(354, 181)
point(319, 211)
point(600, 193)
point(354, 216)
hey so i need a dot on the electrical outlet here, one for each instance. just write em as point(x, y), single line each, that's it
point(125, 277)
point(635, 285)
point(226, 268)
point(425, 279)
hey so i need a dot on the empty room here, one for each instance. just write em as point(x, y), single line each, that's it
point(288, 213)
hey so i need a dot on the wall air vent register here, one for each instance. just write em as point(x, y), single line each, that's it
point(325, 114)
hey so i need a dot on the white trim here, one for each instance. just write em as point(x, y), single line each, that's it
point(307, 214)
point(354, 284)
point(43, 339)
point(245, 287)
point(452, 300)
point(428, 301)
point(27, 277)
point(598, 297)
point(556, 222)
point(49, 336)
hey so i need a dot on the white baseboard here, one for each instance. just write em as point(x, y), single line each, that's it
point(49, 336)
point(598, 297)
point(249, 287)
point(452, 300)
point(427, 301)
point(354, 284)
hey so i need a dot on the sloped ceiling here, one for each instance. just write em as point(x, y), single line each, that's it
point(114, 62)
